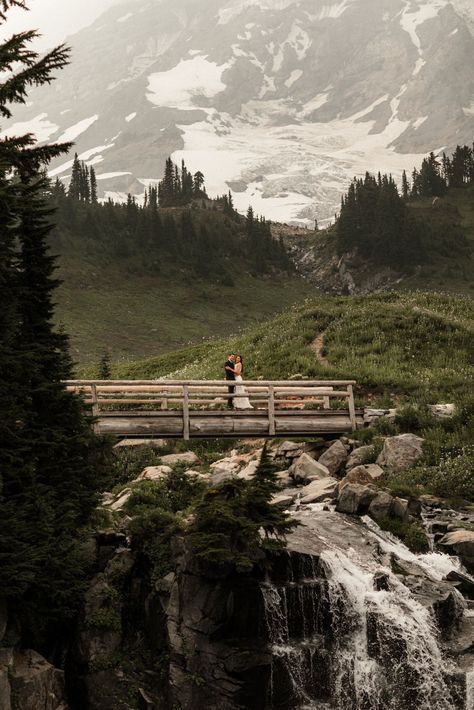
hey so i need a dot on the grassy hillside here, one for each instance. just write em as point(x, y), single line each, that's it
point(135, 289)
point(398, 346)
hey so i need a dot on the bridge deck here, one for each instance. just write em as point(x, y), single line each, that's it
point(197, 409)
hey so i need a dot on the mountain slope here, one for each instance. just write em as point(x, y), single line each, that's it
point(281, 100)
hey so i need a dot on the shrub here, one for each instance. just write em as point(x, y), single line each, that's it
point(412, 534)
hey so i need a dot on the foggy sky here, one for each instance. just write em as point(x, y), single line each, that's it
point(55, 19)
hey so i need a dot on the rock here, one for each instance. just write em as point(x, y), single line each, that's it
point(463, 582)
point(305, 469)
point(153, 443)
point(359, 457)
point(321, 490)
point(355, 499)
point(3, 619)
point(381, 582)
point(442, 411)
point(449, 611)
point(35, 683)
point(405, 509)
point(197, 474)
point(287, 447)
point(373, 415)
point(431, 501)
point(229, 466)
point(218, 478)
point(5, 691)
point(248, 472)
point(121, 501)
point(188, 457)
point(285, 498)
point(284, 479)
point(334, 458)
point(381, 506)
point(462, 542)
point(375, 471)
point(154, 473)
point(359, 474)
point(401, 452)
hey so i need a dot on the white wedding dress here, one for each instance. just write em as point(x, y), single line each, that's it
point(241, 401)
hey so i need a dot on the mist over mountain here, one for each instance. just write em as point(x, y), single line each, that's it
point(282, 101)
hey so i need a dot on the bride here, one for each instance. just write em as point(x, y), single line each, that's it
point(241, 400)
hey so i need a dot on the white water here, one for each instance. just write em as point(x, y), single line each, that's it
point(402, 620)
point(370, 649)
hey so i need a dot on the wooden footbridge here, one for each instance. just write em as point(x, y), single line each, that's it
point(198, 408)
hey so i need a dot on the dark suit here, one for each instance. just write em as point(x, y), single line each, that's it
point(229, 375)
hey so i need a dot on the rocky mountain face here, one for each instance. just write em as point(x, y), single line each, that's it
point(282, 101)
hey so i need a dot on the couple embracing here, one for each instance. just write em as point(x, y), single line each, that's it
point(233, 371)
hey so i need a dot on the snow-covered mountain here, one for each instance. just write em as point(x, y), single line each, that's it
point(283, 101)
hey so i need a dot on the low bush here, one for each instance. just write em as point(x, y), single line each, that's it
point(412, 534)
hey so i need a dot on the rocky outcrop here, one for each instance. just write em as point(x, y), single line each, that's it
point(355, 499)
point(360, 456)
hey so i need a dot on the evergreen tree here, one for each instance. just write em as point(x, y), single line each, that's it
point(49, 457)
point(405, 186)
point(93, 186)
point(105, 371)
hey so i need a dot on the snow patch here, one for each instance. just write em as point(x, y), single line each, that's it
point(294, 76)
point(419, 122)
point(126, 17)
point(109, 176)
point(469, 110)
point(39, 126)
point(331, 12)
point(182, 86)
point(71, 133)
point(130, 117)
point(86, 155)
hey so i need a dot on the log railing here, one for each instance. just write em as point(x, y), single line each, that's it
point(189, 397)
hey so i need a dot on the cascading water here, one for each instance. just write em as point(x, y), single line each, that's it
point(342, 641)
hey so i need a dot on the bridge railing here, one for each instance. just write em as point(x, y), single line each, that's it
point(269, 397)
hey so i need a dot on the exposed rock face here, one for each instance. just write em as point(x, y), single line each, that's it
point(305, 469)
point(154, 473)
point(401, 452)
point(334, 458)
point(29, 682)
point(381, 506)
point(462, 542)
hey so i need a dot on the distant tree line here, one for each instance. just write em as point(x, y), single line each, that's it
point(378, 220)
point(205, 236)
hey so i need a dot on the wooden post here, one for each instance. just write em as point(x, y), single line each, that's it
point(352, 413)
point(186, 412)
point(95, 406)
point(271, 410)
point(326, 404)
point(164, 404)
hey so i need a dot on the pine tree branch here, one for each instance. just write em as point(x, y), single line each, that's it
point(14, 90)
point(18, 154)
point(6, 5)
point(15, 50)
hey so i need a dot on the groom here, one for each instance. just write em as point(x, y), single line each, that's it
point(230, 375)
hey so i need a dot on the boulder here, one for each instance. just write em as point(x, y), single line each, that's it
point(284, 479)
point(285, 498)
point(359, 474)
point(153, 443)
point(287, 448)
point(188, 457)
point(461, 541)
point(121, 500)
point(405, 509)
point(35, 683)
point(463, 582)
point(153, 473)
point(305, 469)
point(316, 491)
point(355, 499)
point(401, 452)
point(443, 411)
point(334, 458)
point(248, 471)
point(374, 470)
point(381, 506)
point(359, 456)
point(373, 415)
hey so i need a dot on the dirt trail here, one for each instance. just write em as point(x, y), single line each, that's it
point(317, 347)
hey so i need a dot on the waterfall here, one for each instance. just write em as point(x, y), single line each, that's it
point(343, 642)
